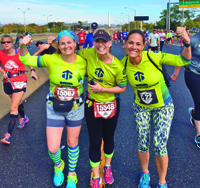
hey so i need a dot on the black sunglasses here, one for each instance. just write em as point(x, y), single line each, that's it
point(4, 42)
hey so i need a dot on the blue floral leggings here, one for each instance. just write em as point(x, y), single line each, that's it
point(162, 119)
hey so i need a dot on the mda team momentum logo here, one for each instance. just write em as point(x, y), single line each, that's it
point(67, 75)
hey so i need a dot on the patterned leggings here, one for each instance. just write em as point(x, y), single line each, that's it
point(162, 118)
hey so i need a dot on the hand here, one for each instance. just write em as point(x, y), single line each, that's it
point(33, 75)
point(95, 88)
point(51, 40)
point(174, 77)
point(26, 40)
point(5, 75)
point(181, 31)
point(44, 47)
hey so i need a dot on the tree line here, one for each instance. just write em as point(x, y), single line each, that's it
point(175, 20)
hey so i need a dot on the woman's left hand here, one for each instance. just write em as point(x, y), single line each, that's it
point(181, 31)
point(34, 75)
point(95, 88)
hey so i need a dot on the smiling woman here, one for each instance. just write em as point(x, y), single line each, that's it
point(152, 99)
point(107, 79)
point(65, 100)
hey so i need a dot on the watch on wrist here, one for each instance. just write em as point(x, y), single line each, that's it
point(33, 70)
point(186, 45)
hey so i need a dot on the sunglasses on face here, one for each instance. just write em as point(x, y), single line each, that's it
point(4, 42)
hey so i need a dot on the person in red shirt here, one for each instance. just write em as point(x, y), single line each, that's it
point(14, 83)
point(81, 35)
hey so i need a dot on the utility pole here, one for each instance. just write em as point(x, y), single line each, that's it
point(24, 17)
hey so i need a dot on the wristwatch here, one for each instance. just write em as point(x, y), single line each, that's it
point(33, 70)
point(186, 45)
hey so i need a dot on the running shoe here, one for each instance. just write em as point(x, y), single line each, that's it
point(6, 139)
point(96, 182)
point(71, 181)
point(190, 110)
point(197, 141)
point(144, 180)
point(162, 185)
point(58, 174)
point(108, 177)
point(22, 122)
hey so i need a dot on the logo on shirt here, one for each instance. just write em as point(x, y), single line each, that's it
point(139, 76)
point(99, 72)
point(11, 65)
point(67, 75)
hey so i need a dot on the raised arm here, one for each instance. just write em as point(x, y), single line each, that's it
point(186, 53)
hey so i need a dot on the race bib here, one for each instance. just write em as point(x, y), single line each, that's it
point(81, 38)
point(147, 97)
point(105, 110)
point(18, 85)
point(65, 93)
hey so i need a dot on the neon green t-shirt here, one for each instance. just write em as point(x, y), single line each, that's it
point(148, 82)
point(169, 35)
point(107, 75)
point(61, 73)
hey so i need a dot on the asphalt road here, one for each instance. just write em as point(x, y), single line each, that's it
point(25, 162)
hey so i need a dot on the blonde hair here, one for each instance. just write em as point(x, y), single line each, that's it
point(6, 36)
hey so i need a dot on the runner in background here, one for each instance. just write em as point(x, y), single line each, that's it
point(81, 35)
point(154, 41)
point(115, 37)
point(44, 49)
point(162, 39)
point(172, 36)
point(120, 36)
point(169, 38)
point(124, 35)
point(89, 37)
point(14, 83)
point(181, 40)
point(146, 37)
point(17, 39)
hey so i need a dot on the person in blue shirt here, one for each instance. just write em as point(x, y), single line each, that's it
point(89, 37)
point(124, 35)
point(192, 80)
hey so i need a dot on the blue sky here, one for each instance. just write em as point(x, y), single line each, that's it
point(85, 10)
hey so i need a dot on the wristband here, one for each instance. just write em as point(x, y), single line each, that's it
point(22, 45)
point(186, 45)
point(101, 90)
point(33, 70)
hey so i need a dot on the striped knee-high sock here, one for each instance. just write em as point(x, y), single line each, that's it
point(73, 154)
point(56, 157)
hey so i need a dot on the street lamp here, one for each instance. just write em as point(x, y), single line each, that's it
point(128, 19)
point(47, 20)
point(135, 14)
point(24, 17)
point(54, 23)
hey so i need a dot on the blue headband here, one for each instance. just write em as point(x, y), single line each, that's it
point(65, 33)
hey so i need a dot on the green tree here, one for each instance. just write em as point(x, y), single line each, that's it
point(80, 23)
point(161, 24)
point(190, 23)
point(176, 16)
point(197, 19)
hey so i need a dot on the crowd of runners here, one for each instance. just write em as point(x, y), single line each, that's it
point(67, 103)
